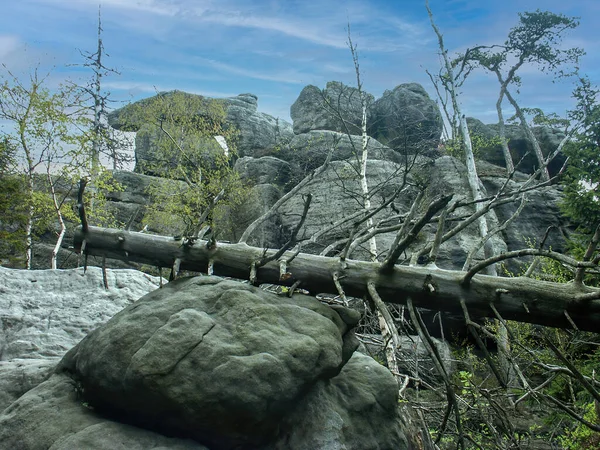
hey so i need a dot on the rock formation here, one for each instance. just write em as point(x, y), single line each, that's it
point(259, 134)
point(44, 313)
point(214, 364)
point(407, 120)
point(336, 108)
point(519, 145)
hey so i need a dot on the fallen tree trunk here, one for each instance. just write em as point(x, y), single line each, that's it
point(521, 299)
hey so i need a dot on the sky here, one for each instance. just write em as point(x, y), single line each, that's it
point(273, 48)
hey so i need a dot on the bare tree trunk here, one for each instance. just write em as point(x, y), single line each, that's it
point(510, 167)
point(529, 133)
point(521, 299)
point(389, 332)
point(472, 176)
point(60, 219)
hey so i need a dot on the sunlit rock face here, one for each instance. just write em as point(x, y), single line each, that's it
point(44, 313)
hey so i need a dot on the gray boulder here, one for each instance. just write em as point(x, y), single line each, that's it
point(18, 376)
point(218, 363)
point(306, 152)
point(253, 355)
point(520, 147)
point(336, 108)
point(54, 415)
point(339, 412)
point(407, 120)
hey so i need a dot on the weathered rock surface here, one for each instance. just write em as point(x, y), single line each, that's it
point(541, 210)
point(336, 108)
point(520, 147)
point(54, 415)
point(406, 119)
point(18, 376)
point(217, 363)
point(306, 152)
point(259, 134)
point(252, 355)
point(265, 170)
point(44, 313)
point(335, 196)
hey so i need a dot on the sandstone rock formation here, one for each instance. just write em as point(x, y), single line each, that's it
point(520, 147)
point(336, 108)
point(215, 363)
point(44, 313)
point(259, 133)
point(406, 119)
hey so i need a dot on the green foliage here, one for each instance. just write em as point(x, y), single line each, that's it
point(456, 147)
point(14, 207)
point(547, 269)
point(536, 39)
point(582, 437)
point(46, 140)
point(582, 190)
point(183, 128)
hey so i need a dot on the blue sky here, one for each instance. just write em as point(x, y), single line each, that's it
point(273, 48)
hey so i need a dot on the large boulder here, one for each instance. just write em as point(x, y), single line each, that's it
point(253, 355)
point(521, 149)
point(406, 119)
point(54, 415)
point(305, 152)
point(336, 108)
point(218, 363)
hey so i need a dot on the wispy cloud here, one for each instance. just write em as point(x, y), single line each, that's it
point(286, 76)
point(294, 28)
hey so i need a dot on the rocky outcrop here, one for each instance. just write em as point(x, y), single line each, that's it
point(216, 363)
point(306, 152)
point(336, 108)
point(265, 170)
point(258, 134)
point(407, 120)
point(48, 328)
point(335, 196)
point(520, 147)
point(541, 210)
